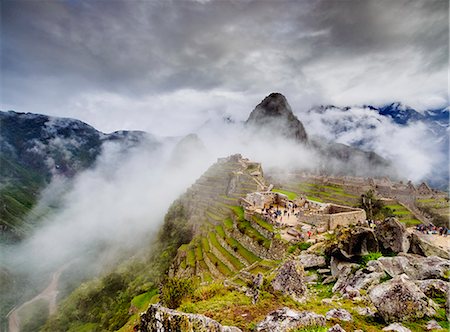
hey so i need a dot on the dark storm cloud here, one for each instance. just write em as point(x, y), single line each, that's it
point(59, 56)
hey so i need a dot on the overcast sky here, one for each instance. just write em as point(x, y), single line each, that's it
point(167, 66)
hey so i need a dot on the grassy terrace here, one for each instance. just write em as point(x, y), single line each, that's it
point(232, 259)
point(241, 250)
point(291, 195)
point(403, 215)
point(263, 224)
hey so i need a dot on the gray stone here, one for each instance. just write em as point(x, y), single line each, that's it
point(433, 325)
point(323, 271)
point(160, 319)
point(340, 314)
point(396, 327)
point(434, 287)
point(286, 319)
point(424, 248)
point(311, 260)
point(329, 280)
point(290, 280)
point(338, 266)
point(356, 241)
point(400, 299)
point(392, 236)
point(336, 328)
point(351, 282)
point(366, 311)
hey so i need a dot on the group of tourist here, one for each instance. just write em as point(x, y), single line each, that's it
point(277, 214)
point(431, 229)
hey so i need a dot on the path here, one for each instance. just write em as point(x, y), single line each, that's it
point(49, 294)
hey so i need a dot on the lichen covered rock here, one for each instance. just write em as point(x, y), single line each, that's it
point(400, 299)
point(161, 319)
point(356, 241)
point(336, 328)
point(397, 327)
point(311, 260)
point(340, 314)
point(290, 280)
point(286, 319)
point(392, 236)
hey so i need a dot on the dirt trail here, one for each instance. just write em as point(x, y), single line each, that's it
point(49, 294)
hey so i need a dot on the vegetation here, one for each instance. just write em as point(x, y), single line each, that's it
point(374, 207)
point(369, 257)
point(300, 246)
point(291, 195)
point(175, 290)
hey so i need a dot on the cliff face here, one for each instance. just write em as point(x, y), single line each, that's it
point(274, 114)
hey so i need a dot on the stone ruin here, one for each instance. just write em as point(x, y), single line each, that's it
point(323, 216)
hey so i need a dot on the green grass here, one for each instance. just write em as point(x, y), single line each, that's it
point(410, 222)
point(246, 228)
point(228, 223)
point(263, 224)
point(190, 258)
point(291, 195)
point(232, 259)
point(223, 269)
point(220, 231)
point(242, 251)
point(141, 301)
point(238, 211)
point(313, 198)
point(370, 257)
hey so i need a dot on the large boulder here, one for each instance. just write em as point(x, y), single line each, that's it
point(401, 299)
point(336, 328)
point(356, 241)
point(351, 281)
point(416, 267)
point(311, 260)
point(392, 236)
point(286, 319)
point(290, 280)
point(161, 319)
point(424, 248)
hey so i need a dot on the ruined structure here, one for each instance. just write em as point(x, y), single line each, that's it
point(323, 216)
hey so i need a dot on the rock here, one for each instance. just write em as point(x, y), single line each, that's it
point(400, 299)
point(392, 236)
point(351, 282)
point(433, 325)
point(275, 114)
point(323, 271)
point(356, 241)
point(311, 278)
point(396, 327)
point(160, 319)
point(415, 267)
point(366, 311)
point(337, 266)
point(434, 287)
point(286, 319)
point(253, 291)
point(424, 248)
point(327, 301)
point(328, 280)
point(311, 260)
point(340, 314)
point(290, 280)
point(336, 328)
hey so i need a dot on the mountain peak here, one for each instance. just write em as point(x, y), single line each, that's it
point(275, 113)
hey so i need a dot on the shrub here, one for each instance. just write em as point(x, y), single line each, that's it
point(175, 290)
point(370, 257)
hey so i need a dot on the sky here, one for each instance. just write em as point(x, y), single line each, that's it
point(168, 66)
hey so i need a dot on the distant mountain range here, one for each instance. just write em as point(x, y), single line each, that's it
point(35, 148)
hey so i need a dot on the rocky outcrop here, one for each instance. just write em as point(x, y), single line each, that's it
point(434, 287)
point(356, 241)
point(416, 267)
point(400, 299)
point(160, 319)
point(290, 280)
point(275, 115)
point(336, 328)
point(397, 327)
point(433, 325)
point(311, 260)
point(424, 248)
point(351, 282)
point(392, 236)
point(285, 319)
point(340, 314)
